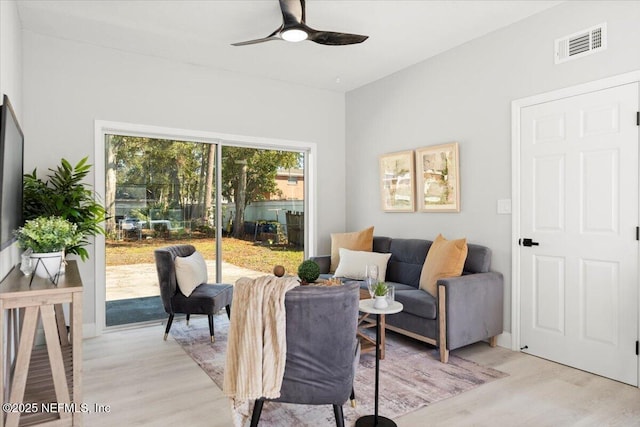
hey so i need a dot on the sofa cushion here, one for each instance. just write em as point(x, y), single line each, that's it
point(478, 259)
point(205, 299)
point(397, 286)
point(417, 302)
point(400, 286)
point(353, 264)
point(382, 244)
point(356, 241)
point(407, 259)
point(445, 259)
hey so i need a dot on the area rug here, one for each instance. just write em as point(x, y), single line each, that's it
point(411, 377)
point(134, 310)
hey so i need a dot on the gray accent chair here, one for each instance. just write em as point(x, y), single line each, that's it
point(322, 348)
point(206, 298)
point(466, 310)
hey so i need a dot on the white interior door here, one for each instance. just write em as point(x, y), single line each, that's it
point(579, 204)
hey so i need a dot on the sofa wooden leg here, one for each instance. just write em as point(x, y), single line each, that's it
point(442, 324)
point(444, 355)
point(493, 341)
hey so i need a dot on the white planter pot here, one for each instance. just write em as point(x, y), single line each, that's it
point(48, 264)
point(381, 302)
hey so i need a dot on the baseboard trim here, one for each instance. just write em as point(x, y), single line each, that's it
point(504, 340)
point(89, 330)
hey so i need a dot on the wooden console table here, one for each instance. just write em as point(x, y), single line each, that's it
point(43, 386)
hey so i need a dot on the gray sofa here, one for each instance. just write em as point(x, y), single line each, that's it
point(467, 309)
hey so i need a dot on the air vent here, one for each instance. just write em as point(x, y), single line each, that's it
point(582, 43)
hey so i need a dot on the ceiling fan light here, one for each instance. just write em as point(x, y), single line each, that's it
point(294, 35)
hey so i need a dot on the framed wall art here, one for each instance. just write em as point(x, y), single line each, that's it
point(397, 185)
point(438, 178)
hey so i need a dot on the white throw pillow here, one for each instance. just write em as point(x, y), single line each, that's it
point(191, 271)
point(353, 264)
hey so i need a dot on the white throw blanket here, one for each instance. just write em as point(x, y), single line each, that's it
point(257, 343)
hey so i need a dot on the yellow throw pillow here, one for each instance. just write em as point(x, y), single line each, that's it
point(356, 241)
point(445, 259)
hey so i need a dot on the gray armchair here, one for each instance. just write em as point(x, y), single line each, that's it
point(205, 299)
point(322, 349)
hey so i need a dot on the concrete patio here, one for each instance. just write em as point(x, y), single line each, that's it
point(141, 280)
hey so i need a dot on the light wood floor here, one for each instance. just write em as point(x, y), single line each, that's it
point(146, 381)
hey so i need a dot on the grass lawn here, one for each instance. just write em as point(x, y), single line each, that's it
point(241, 253)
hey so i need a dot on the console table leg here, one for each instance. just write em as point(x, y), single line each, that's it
point(23, 357)
point(76, 351)
point(55, 357)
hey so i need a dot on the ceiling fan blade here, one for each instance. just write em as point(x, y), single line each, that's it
point(292, 12)
point(335, 39)
point(273, 36)
point(256, 41)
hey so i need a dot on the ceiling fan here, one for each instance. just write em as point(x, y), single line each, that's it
point(294, 29)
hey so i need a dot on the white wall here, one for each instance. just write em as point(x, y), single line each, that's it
point(68, 85)
point(11, 85)
point(465, 95)
point(11, 54)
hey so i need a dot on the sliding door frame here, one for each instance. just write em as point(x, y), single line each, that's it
point(104, 128)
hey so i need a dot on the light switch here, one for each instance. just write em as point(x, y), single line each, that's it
point(504, 206)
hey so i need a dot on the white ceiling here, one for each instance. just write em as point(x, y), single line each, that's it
point(401, 33)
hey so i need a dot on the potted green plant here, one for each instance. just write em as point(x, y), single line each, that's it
point(308, 272)
point(63, 194)
point(47, 237)
point(380, 294)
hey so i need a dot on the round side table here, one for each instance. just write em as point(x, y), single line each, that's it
point(366, 306)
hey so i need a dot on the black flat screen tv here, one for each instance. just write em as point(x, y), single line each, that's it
point(11, 164)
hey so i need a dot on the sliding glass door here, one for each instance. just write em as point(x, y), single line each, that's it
point(263, 207)
point(241, 207)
